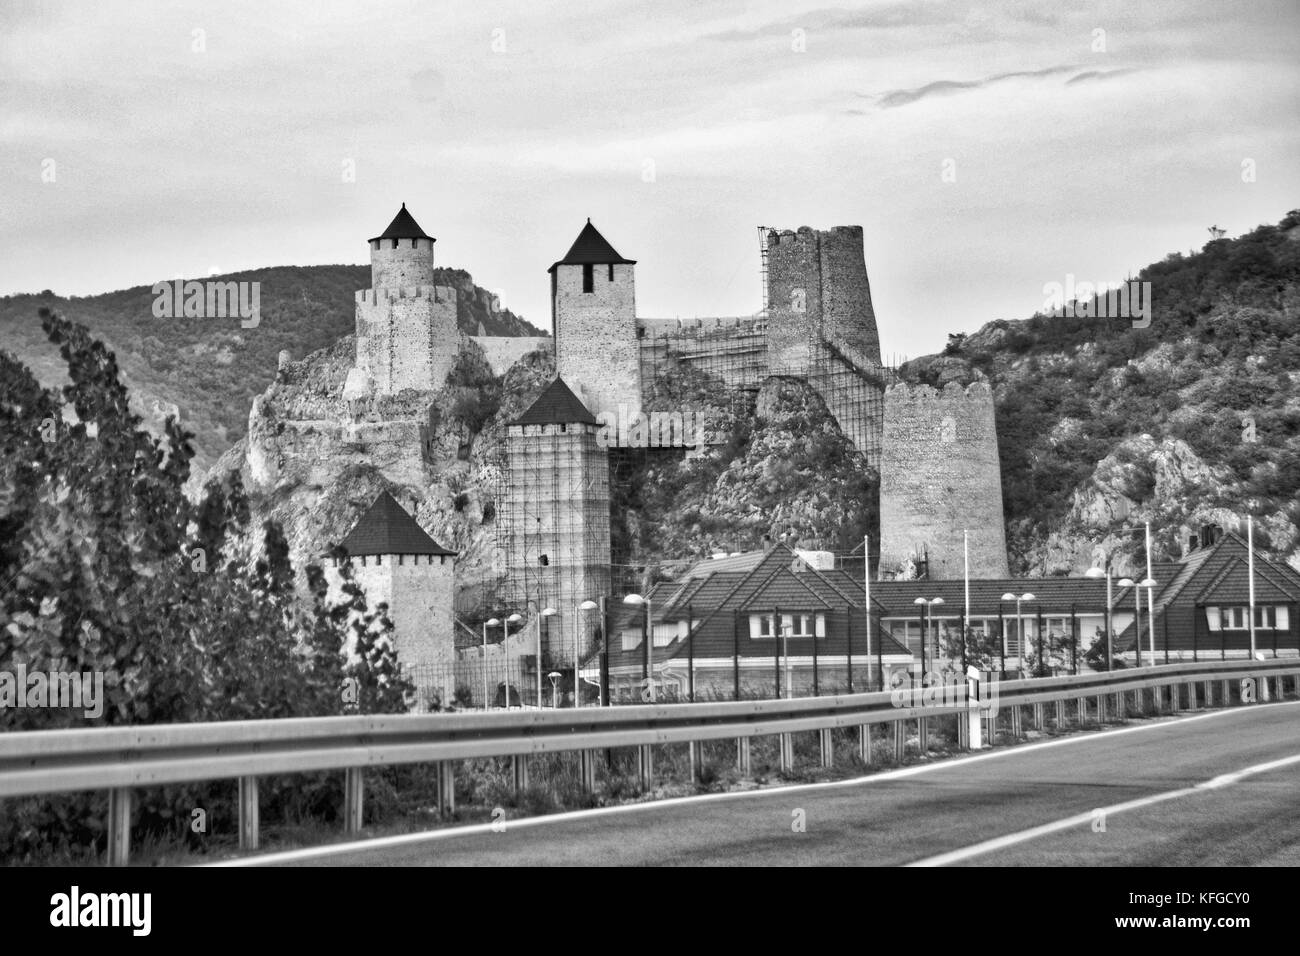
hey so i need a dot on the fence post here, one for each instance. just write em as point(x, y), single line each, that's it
point(900, 741)
point(963, 732)
point(1017, 718)
point(693, 748)
point(864, 743)
point(519, 766)
point(119, 826)
point(1060, 713)
point(446, 788)
point(786, 747)
point(353, 792)
point(1038, 716)
point(827, 747)
point(742, 756)
point(1191, 695)
point(587, 770)
point(645, 765)
point(248, 818)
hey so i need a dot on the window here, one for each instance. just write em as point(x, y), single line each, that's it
point(415, 243)
point(631, 639)
point(800, 625)
point(588, 278)
point(1268, 617)
point(760, 625)
point(611, 272)
point(394, 243)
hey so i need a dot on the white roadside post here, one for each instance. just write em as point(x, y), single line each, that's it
point(974, 702)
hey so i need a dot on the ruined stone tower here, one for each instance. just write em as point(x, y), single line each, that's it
point(554, 516)
point(940, 476)
point(593, 310)
point(398, 564)
point(821, 326)
point(407, 337)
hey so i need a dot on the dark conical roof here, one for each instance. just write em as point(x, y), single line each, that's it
point(387, 528)
point(403, 226)
point(555, 405)
point(591, 246)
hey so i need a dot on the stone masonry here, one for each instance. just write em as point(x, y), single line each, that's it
point(940, 476)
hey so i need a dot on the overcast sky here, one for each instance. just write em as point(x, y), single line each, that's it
point(217, 135)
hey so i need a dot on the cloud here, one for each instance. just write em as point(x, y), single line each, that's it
point(895, 98)
point(1098, 75)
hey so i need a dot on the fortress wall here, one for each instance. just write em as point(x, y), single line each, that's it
point(503, 351)
point(940, 474)
point(407, 337)
point(419, 591)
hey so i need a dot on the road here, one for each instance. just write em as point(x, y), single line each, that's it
point(1212, 789)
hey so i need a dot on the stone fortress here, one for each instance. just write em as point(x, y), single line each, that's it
point(936, 451)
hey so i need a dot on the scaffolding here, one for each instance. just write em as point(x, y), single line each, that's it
point(553, 530)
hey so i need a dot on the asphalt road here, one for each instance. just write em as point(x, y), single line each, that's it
point(966, 811)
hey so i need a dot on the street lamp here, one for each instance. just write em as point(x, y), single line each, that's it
point(785, 654)
point(1110, 604)
point(926, 627)
point(544, 612)
point(1149, 583)
point(505, 666)
point(490, 622)
point(648, 633)
point(577, 632)
point(554, 676)
point(1020, 629)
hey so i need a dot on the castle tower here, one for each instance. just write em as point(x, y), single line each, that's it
point(554, 516)
point(821, 325)
point(398, 564)
point(407, 336)
point(940, 476)
point(593, 311)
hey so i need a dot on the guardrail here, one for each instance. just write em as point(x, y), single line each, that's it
point(120, 758)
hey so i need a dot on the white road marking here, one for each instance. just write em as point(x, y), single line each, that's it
point(449, 833)
point(1085, 819)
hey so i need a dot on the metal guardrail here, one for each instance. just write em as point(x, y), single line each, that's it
point(120, 758)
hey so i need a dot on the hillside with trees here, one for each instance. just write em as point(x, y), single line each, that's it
point(207, 371)
point(1193, 419)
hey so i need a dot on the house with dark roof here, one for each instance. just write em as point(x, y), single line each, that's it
point(751, 625)
point(1202, 607)
point(774, 622)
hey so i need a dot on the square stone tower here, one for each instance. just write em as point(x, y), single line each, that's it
point(555, 517)
point(593, 309)
point(398, 564)
point(407, 336)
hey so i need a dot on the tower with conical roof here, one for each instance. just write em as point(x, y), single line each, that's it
point(554, 517)
point(397, 563)
point(593, 311)
point(407, 336)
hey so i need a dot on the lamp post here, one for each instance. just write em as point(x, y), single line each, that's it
point(577, 639)
point(1110, 604)
point(1137, 620)
point(505, 657)
point(544, 612)
point(926, 606)
point(490, 622)
point(554, 676)
point(1002, 632)
point(1149, 583)
point(1020, 629)
point(648, 636)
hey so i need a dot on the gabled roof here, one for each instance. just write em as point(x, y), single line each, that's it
point(555, 405)
point(387, 528)
point(403, 226)
point(591, 247)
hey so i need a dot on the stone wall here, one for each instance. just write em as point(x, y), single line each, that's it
point(940, 475)
point(406, 338)
point(595, 337)
point(419, 592)
point(502, 351)
point(409, 263)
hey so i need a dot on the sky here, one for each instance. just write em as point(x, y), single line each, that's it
point(986, 149)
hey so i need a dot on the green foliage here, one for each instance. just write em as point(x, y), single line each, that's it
point(1222, 345)
point(107, 569)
